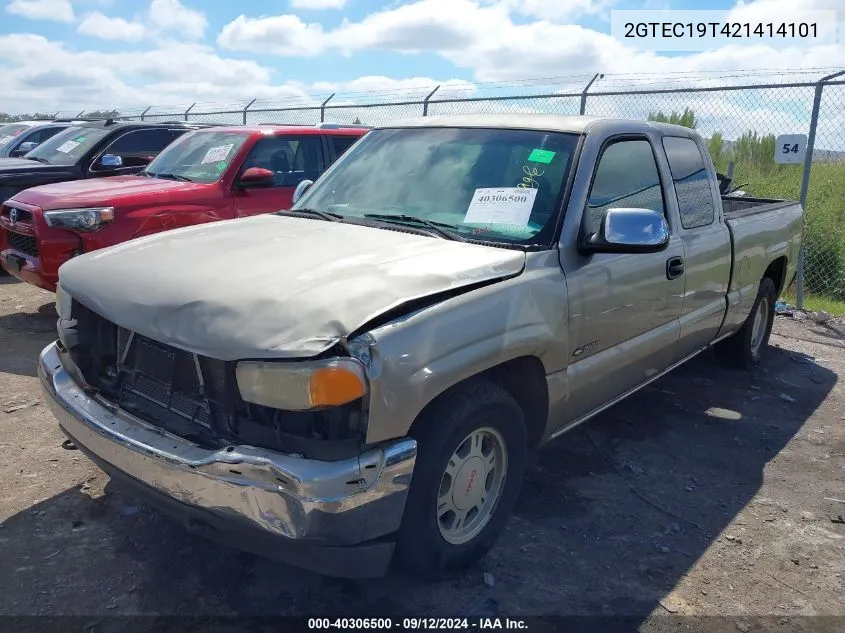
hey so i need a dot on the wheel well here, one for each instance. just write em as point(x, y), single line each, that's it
point(524, 378)
point(777, 273)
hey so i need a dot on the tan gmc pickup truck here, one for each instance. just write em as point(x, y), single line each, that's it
point(361, 378)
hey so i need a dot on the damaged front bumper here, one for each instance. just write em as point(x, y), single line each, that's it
point(329, 517)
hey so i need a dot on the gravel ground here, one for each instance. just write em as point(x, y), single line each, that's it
point(711, 493)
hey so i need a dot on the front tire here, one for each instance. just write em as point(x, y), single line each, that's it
point(745, 348)
point(471, 453)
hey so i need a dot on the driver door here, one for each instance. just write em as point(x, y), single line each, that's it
point(292, 159)
point(624, 311)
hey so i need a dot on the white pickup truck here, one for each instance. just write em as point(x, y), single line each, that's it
point(361, 378)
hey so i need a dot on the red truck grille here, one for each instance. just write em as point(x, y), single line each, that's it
point(16, 215)
point(23, 243)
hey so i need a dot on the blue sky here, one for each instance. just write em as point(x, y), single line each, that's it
point(64, 54)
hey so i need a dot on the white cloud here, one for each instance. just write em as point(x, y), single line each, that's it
point(282, 34)
point(409, 88)
point(491, 39)
point(172, 15)
point(482, 36)
point(55, 10)
point(44, 75)
point(102, 26)
point(560, 11)
point(317, 4)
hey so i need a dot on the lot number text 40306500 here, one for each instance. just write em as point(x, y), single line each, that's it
point(413, 624)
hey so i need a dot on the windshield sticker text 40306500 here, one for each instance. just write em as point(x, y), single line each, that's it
point(505, 205)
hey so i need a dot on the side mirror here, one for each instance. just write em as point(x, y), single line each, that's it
point(300, 190)
point(25, 148)
point(629, 231)
point(111, 161)
point(256, 177)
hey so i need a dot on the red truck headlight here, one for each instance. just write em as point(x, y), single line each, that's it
point(86, 219)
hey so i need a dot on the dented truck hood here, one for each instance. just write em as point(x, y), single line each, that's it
point(271, 286)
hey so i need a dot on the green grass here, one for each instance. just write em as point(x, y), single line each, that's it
point(815, 303)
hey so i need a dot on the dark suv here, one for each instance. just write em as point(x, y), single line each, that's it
point(90, 150)
point(21, 137)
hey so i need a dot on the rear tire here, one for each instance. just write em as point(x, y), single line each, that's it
point(746, 348)
point(471, 453)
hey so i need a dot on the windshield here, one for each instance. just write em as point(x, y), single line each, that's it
point(200, 156)
point(485, 184)
point(68, 146)
point(9, 132)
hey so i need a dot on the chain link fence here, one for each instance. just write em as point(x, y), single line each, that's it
point(739, 122)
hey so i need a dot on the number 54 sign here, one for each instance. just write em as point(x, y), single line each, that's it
point(790, 149)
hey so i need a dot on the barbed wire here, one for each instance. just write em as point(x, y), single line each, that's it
point(490, 89)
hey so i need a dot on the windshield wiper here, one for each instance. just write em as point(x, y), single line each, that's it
point(169, 176)
point(39, 160)
point(438, 227)
point(325, 215)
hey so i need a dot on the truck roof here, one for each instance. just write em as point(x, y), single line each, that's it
point(573, 124)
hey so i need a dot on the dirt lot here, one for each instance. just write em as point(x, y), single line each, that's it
point(710, 493)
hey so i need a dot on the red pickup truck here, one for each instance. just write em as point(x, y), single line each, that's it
point(211, 174)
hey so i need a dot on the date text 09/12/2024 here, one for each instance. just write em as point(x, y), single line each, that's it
point(414, 624)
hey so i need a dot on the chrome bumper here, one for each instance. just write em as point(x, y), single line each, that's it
point(316, 503)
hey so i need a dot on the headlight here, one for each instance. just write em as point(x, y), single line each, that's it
point(63, 302)
point(87, 219)
point(301, 386)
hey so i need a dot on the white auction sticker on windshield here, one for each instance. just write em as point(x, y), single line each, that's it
point(67, 146)
point(5, 139)
point(504, 205)
point(218, 153)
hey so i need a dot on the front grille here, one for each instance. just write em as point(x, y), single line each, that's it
point(160, 383)
point(196, 397)
point(164, 377)
point(21, 215)
point(23, 243)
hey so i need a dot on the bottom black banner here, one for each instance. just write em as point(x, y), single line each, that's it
point(532, 624)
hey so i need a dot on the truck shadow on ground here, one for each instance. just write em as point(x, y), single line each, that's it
point(22, 337)
point(611, 517)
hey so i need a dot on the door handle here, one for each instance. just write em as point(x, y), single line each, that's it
point(674, 267)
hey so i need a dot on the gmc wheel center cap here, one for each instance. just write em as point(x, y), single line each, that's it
point(469, 484)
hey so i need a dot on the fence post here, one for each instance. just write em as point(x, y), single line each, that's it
point(79, 116)
point(805, 178)
point(323, 108)
point(145, 112)
point(425, 101)
point(188, 110)
point(247, 108)
point(583, 108)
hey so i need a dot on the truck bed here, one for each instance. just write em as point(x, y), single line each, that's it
point(735, 207)
point(764, 233)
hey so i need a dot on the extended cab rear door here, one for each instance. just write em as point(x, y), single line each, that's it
point(624, 309)
point(292, 159)
point(707, 244)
